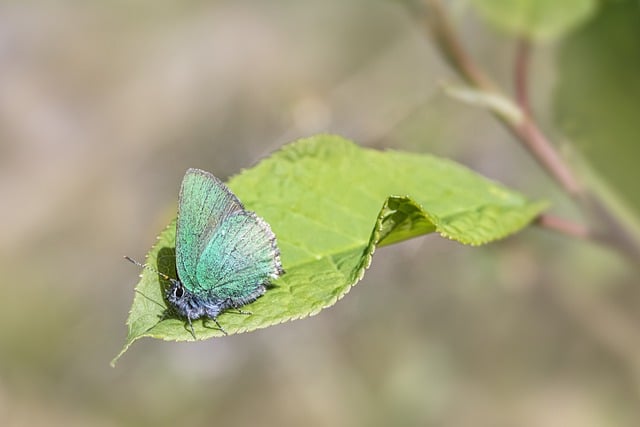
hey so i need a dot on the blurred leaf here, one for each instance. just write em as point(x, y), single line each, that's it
point(597, 98)
point(330, 203)
point(536, 19)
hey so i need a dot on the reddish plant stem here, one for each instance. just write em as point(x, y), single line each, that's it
point(522, 76)
point(563, 226)
point(526, 129)
point(531, 135)
point(451, 47)
point(612, 232)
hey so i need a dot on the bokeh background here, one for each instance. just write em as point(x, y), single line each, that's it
point(104, 105)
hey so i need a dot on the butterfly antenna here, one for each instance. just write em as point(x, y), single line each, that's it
point(148, 267)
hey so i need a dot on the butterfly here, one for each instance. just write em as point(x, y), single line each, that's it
point(225, 255)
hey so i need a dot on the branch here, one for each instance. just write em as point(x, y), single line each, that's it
point(563, 226)
point(451, 48)
point(525, 129)
point(531, 135)
point(615, 234)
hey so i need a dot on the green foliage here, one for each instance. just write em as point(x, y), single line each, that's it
point(330, 204)
point(597, 101)
point(536, 19)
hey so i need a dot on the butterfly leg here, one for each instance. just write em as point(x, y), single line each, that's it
point(218, 325)
point(236, 310)
point(191, 326)
point(230, 303)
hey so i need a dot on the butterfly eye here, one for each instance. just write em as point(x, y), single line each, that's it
point(178, 292)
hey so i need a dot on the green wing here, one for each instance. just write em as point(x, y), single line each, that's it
point(240, 257)
point(203, 205)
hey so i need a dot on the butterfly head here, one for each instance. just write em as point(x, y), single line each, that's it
point(188, 304)
point(175, 292)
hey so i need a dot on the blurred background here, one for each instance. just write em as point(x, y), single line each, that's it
point(104, 105)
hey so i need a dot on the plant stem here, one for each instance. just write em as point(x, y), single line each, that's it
point(563, 226)
point(613, 232)
point(451, 48)
point(531, 135)
point(526, 129)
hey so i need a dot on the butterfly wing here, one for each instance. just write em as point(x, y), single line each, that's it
point(204, 203)
point(239, 259)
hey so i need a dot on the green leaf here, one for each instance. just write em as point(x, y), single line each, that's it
point(597, 102)
point(330, 204)
point(536, 19)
